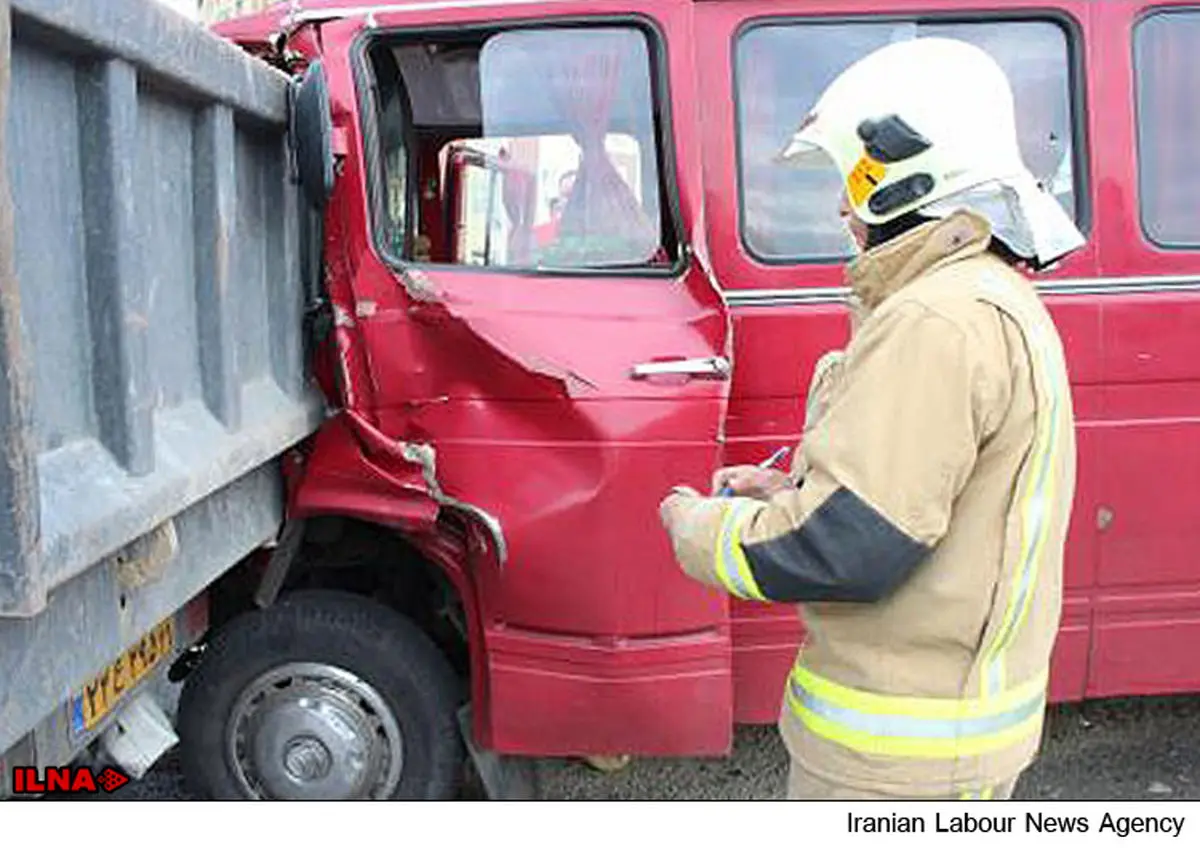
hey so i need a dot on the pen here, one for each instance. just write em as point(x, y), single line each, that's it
point(770, 461)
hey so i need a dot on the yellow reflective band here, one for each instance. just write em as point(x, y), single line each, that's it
point(872, 703)
point(920, 728)
point(1036, 505)
point(981, 795)
point(914, 747)
point(732, 568)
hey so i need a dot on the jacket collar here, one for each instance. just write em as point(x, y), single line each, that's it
point(881, 272)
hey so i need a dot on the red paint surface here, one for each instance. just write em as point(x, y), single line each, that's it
point(589, 640)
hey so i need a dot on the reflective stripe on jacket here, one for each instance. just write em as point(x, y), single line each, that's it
point(924, 537)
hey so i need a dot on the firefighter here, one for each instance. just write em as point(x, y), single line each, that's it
point(922, 526)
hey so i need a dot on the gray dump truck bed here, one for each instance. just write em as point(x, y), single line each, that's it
point(151, 368)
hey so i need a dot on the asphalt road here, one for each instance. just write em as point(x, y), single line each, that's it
point(1121, 749)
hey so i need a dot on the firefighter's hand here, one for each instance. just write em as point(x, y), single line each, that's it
point(750, 481)
point(673, 505)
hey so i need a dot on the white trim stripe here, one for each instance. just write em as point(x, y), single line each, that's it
point(1073, 286)
point(327, 13)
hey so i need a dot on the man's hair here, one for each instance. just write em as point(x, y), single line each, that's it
point(878, 234)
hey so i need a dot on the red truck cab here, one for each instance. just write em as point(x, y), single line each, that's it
point(519, 371)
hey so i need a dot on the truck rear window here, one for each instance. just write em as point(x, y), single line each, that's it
point(790, 214)
point(1167, 68)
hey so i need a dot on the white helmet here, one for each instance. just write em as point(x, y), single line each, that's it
point(929, 124)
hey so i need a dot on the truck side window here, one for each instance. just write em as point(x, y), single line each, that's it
point(535, 149)
point(790, 214)
point(1167, 70)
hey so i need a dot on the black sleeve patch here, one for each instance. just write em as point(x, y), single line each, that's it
point(845, 551)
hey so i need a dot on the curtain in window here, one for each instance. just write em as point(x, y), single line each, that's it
point(603, 220)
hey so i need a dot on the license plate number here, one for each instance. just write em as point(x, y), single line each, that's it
point(106, 689)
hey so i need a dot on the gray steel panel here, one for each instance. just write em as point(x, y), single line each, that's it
point(151, 310)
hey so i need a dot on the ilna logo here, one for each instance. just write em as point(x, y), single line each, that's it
point(31, 781)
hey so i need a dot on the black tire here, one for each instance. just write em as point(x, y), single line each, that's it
point(349, 632)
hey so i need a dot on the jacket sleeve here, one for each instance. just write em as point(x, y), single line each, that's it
point(820, 388)
point(886, 462)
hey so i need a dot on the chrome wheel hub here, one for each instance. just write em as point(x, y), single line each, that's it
point(307, 759)
point(312, 731)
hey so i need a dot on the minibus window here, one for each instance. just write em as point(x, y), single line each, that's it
point(790, 214)
point(1167, 67)
point(536, 149)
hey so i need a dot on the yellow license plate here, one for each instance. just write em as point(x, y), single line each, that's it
point(106, 689)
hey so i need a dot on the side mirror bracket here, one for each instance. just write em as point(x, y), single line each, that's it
point(311, 130)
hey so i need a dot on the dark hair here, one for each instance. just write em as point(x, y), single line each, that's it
point(878, 234)
point(1005, 254)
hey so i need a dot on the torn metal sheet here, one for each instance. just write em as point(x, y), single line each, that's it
point(421, 459)
point(418, 286)
point(506, 341)
point(426, 457)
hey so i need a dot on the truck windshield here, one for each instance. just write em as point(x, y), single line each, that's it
point(533, 148)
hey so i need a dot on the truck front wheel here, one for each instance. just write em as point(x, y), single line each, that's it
point(324, 695)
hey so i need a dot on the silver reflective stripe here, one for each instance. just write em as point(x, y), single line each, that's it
point(1036, 505)
point(1037, 517)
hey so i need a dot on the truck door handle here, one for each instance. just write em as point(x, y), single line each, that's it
point(712, 367)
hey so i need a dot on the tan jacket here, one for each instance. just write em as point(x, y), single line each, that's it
point(925, 536)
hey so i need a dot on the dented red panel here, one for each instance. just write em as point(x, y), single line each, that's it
point(349, 473)
point(515, 394)
point(511, 394)
point(562, 696)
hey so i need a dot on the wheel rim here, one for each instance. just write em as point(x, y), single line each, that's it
point(311, 731)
